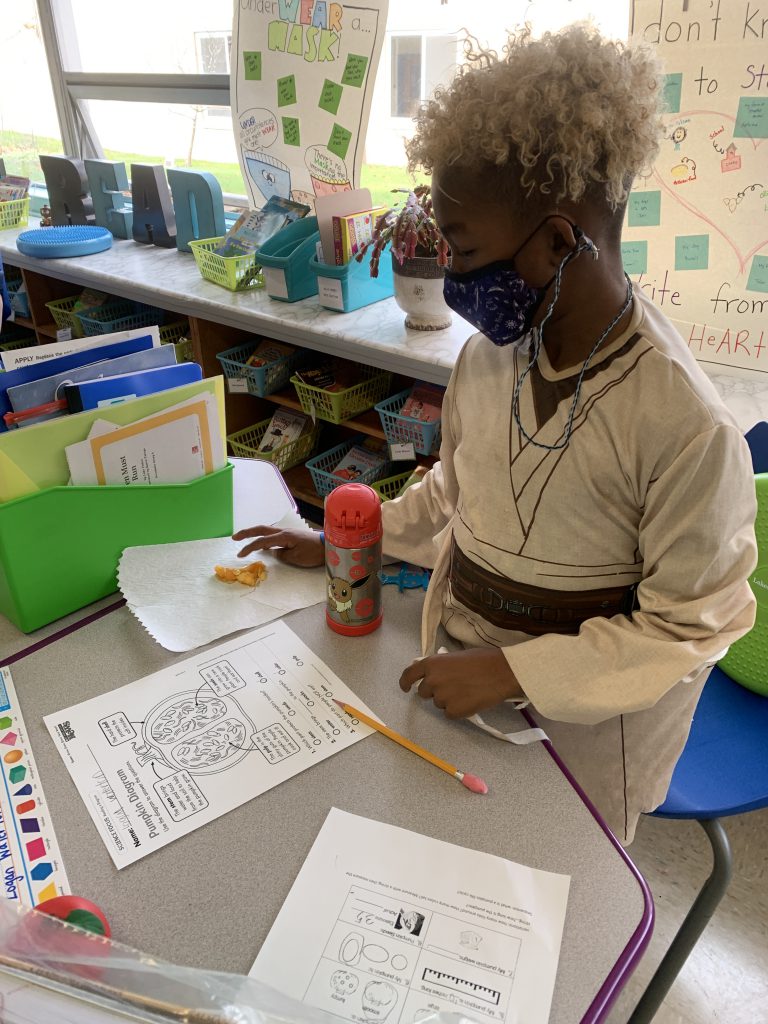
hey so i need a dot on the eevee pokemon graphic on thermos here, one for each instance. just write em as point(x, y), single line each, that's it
point(353, 558)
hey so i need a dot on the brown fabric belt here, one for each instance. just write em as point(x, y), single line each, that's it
point(534, 610)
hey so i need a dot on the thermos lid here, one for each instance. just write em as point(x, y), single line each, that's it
point(352, 516)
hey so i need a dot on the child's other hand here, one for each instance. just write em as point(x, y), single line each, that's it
point(295, 547)
point(464, 682)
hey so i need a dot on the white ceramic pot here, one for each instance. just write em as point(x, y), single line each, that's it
point(419, 293)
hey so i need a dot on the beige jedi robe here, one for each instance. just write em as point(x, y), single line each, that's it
point(655, 487)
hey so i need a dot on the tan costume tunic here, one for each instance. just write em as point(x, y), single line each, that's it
point(654, 488)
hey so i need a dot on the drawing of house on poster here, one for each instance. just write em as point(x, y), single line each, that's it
point(696, 232)
point(302, 77)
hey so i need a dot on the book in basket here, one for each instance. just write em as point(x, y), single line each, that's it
point(424, 403)
point(284, 427)
point(359, 459)
point(352, 231)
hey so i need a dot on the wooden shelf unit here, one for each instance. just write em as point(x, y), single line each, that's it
point(242, 410)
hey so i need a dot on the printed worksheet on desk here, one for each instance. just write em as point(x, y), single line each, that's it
point(160, 757)
point(383, 924)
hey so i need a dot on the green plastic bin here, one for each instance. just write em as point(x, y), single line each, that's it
point(59, 548)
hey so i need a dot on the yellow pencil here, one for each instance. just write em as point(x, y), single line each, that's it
point(472, 782)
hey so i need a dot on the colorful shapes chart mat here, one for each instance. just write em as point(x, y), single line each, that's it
point(31, 869)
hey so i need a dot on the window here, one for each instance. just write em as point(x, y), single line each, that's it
point(213, 58)
point(418, 64)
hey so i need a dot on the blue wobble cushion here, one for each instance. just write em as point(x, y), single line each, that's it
point(74, 240)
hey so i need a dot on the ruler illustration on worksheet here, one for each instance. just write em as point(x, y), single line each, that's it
point(160, 757)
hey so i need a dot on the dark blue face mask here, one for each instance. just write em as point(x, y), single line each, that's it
point(495, 299)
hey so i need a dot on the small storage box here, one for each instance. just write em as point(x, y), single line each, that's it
point(259, 380)
point(246, 444)
point(14, 213)
point(399, 429)
point(62, 311)
point(285, 261)
point(322, 466)
point(85, 530)
point(351, 286)
point(238, 273)
point(337, 406)
point(120, 315)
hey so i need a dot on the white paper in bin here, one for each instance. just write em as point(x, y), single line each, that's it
point(53, 972)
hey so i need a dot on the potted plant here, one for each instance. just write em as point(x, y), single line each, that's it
point(419, 256)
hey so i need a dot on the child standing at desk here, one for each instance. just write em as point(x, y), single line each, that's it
point(590, 521)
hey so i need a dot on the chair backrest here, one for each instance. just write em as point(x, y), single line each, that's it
point(757, 439)
point(747, 660)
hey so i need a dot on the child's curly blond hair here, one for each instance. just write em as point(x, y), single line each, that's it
point(568, 115)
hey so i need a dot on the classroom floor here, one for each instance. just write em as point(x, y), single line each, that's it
point(725, 980)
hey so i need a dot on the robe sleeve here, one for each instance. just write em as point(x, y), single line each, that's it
point(412, 522)
point(698, 547)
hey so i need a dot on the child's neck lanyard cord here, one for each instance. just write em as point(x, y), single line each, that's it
point(537, 339)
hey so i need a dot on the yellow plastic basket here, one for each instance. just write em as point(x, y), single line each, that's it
point(62, 311)
point(337, 406)
point(238, 273)
point(245, 443)
point(389, 487)
point(173, 332)
point(14, 213)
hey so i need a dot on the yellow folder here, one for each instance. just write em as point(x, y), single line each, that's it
point(32, 458)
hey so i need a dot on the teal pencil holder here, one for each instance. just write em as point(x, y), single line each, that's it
point(285, 261)
point(351, 286)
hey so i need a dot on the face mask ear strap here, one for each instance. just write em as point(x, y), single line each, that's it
point(584, 243)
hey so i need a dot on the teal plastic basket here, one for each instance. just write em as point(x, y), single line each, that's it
point(400, 429)
point(284, 259)
point(260, 380)
point(120, 315)
point(321, 468)
point(351, 286)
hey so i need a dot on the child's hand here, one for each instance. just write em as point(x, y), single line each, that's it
point(296, 547)
point(463, 682)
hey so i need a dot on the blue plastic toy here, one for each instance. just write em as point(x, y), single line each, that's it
point(73, 240)
point(406, 576)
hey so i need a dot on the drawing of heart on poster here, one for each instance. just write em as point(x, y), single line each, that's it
point(696, 231)
point(301, 83)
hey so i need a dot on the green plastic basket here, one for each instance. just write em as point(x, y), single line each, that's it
point(337, 406)
point(62, 311)
point(173, 332)
point(389, 487)
point(14, 213)
point(238, 273)
point(245, 443)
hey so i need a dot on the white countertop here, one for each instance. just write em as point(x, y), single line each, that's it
point(375, 334)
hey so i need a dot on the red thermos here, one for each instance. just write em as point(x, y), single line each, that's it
point(352, 529)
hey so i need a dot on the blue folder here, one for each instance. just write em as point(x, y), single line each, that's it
point(92, 394)
point(53, 366)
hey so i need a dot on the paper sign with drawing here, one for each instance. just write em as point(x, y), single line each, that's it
point(696, 238)
point(160, 757)
point(301, 84)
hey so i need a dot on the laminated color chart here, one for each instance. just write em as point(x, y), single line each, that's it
point(31, 869)
point(696, 233)
point(158, 758)
point(302, 77)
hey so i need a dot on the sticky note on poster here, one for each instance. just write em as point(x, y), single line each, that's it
point(644, 209)
point(252, 65)
point(634, 256)
point(354, 72)
point(758, 274)
point(672, 92)
point(286, 91)
point(691, 252)
point(339, 141)
point(291, 132)
point(752, 118)
point(330, 96)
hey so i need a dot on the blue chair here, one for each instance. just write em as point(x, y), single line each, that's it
point(723, 769)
